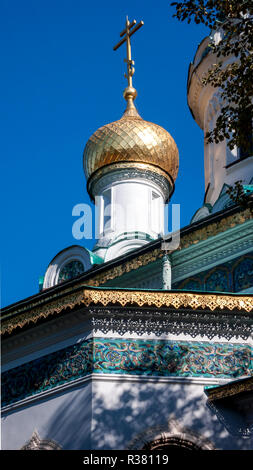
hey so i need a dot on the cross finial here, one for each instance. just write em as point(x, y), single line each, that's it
point(129, 93)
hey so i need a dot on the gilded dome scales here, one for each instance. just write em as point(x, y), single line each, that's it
point(130, 141)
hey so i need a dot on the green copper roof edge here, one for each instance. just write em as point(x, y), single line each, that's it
point(125, 236)
point(236, 294)
point(95, 259)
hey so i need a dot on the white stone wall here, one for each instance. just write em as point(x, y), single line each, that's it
point(222, 165)
point(112, 413)
point(205, 104)
point(64, 418)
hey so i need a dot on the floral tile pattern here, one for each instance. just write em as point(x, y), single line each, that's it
point(126, 356)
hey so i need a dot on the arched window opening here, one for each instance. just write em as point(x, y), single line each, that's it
point(70, 270)
point(173, 443)
point(36, 443)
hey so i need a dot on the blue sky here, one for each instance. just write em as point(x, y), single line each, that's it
point(60, 81)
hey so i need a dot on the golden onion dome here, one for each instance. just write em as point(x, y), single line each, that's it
point(131, 142)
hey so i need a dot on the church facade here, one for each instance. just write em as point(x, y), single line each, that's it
point(145, 342)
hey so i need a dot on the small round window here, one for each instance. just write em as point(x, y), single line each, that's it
point(71, 270)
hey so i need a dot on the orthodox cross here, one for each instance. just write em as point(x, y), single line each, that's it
point(127, 33)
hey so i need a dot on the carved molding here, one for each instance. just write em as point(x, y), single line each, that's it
point(174, 300)
point(160, 322)
point(36, 443)
point(125, 174)
point(162, 435)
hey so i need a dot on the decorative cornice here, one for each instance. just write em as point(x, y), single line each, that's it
point(124, 172)
point(162, 322)
point(40, 310)
point(108, 297)
point(231, 389)
point(167, 299)
point(141, 169)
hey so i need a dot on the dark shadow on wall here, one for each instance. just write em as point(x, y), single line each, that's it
point(123, 409)
point(70, 423)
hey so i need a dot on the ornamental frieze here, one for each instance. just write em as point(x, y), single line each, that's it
point(136, 357)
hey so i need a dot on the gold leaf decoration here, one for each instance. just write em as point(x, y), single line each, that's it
point(107, 297)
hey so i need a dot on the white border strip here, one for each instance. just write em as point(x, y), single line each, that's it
point(47, 394)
